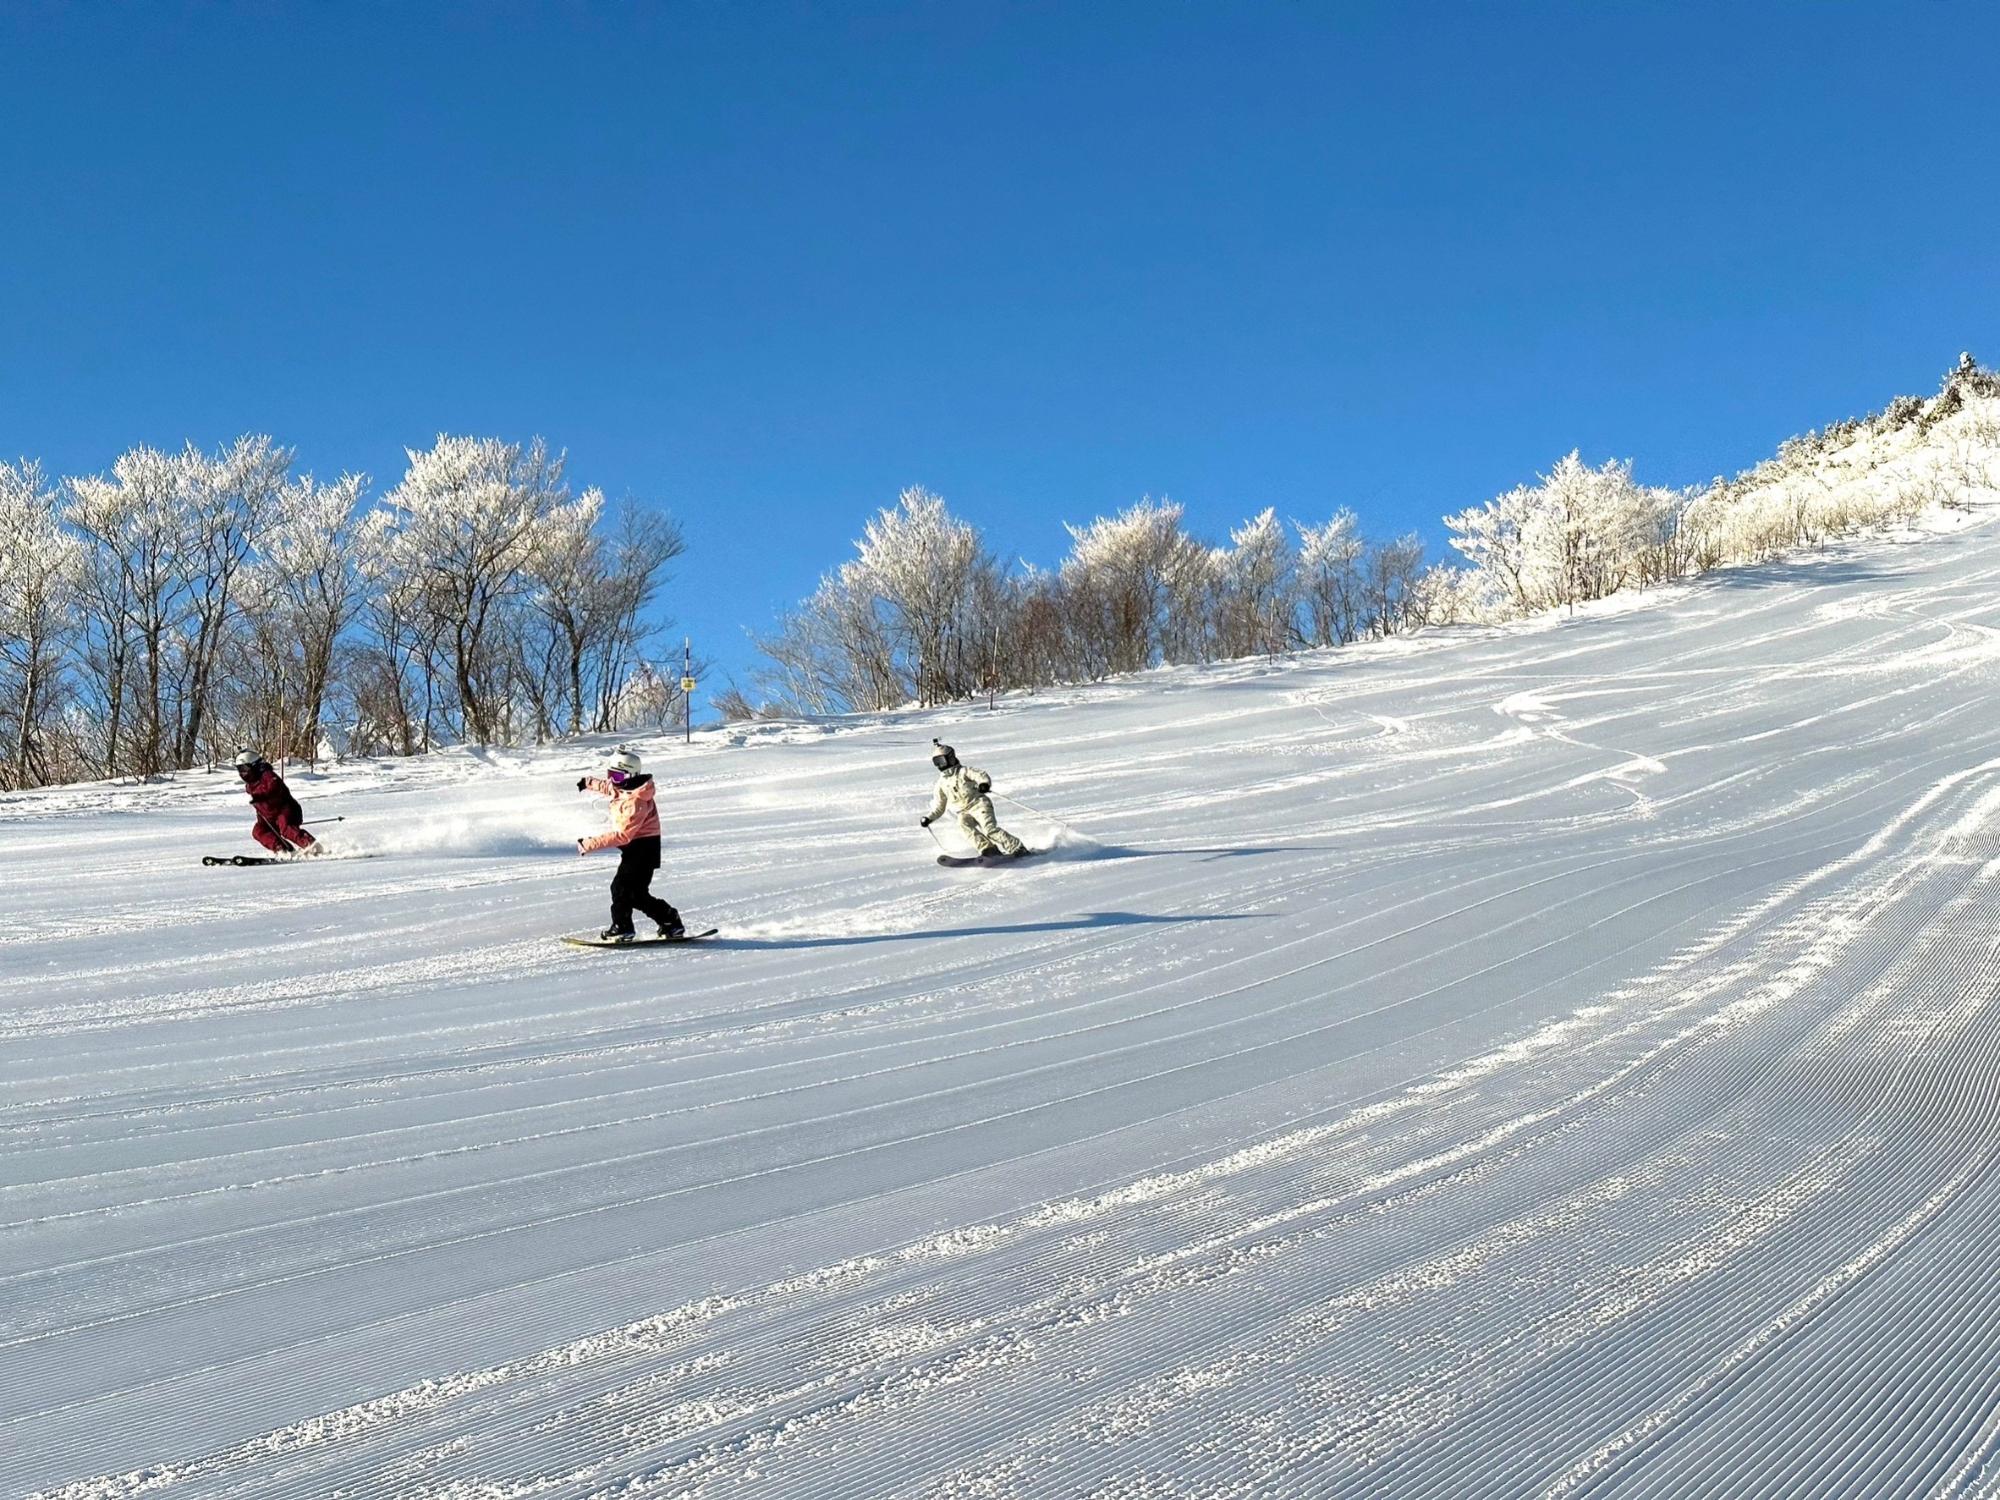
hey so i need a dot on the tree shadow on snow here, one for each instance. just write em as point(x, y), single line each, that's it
point(1084, 923)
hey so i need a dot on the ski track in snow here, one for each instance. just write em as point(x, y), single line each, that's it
point(1555, 1062)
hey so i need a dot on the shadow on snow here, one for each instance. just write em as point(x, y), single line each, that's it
point(1084, 923)
point(1206, 855)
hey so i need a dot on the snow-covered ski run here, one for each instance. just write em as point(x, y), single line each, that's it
point(1561, 1061)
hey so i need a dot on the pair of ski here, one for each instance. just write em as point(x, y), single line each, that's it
point(268, 859)
point(983, 861)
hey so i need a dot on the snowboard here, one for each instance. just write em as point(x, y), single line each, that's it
point(964, 861)
point(639, 942)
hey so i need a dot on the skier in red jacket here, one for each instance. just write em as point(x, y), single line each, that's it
point(280, 823)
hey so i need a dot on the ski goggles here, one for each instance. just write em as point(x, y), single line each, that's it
point(617, 777)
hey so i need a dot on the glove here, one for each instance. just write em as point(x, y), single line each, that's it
point(923, 822)
point(579, 783)
point(985, 787)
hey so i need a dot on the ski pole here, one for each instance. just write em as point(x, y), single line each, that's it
point(1037, 813)
point(935, 839)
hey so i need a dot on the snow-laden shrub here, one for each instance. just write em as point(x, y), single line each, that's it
point(1580, 532)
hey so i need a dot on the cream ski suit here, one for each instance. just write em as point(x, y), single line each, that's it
point(964, 789)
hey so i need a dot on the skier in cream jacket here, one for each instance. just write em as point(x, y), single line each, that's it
point(964, 789)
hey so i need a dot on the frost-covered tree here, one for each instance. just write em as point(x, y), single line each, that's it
point(168, 539)
point(1259, 589)
point(1577, 534)
point(1567, 553)
point(134, 525)
point(224, 502)
point(1391, 570)
point(831, 655)
point(911, 617)
point(39, 565)
point(308, 592)
point(589, 588)
point(1493, 539)
point(209, 598)
point(466, 519)
point(921, 566)
point(396, 673)
point(1663, 542)
point(1445, 595)
point(1330, 584)
point(1034, 650)
point(1122, 579)
point(643, 546)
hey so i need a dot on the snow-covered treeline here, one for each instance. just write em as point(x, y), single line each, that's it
point(154, 617)
point(1581, 533)
point(926, 613)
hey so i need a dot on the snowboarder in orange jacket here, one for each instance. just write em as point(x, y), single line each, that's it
point(635, 834)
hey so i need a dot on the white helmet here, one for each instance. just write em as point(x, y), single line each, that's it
point(248, 757)
point(624, 761)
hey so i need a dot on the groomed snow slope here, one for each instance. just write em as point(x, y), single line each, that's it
point(1555, 1062)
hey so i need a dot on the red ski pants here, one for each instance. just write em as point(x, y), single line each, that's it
point(282, 836)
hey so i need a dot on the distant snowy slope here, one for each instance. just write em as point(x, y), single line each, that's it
point(1556, 1060)
point(1917, 455)
point(1582, 533)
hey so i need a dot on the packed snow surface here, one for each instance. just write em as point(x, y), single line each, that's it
point(1560, 1061)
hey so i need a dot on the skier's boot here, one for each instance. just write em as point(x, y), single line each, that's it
point(672, 930)
point(616, 935)
point(1021, 851)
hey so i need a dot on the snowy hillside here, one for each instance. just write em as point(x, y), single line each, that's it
point(1561, 1060)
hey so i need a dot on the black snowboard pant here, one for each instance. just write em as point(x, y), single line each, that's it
point(633, 886)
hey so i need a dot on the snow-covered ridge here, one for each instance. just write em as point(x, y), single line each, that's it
point(1582, 533)
point(1549, 1058)
point(924, 612)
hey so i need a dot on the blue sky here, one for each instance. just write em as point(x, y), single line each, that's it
point(766, 264)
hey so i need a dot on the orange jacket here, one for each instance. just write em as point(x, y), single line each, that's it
point(633, 813)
